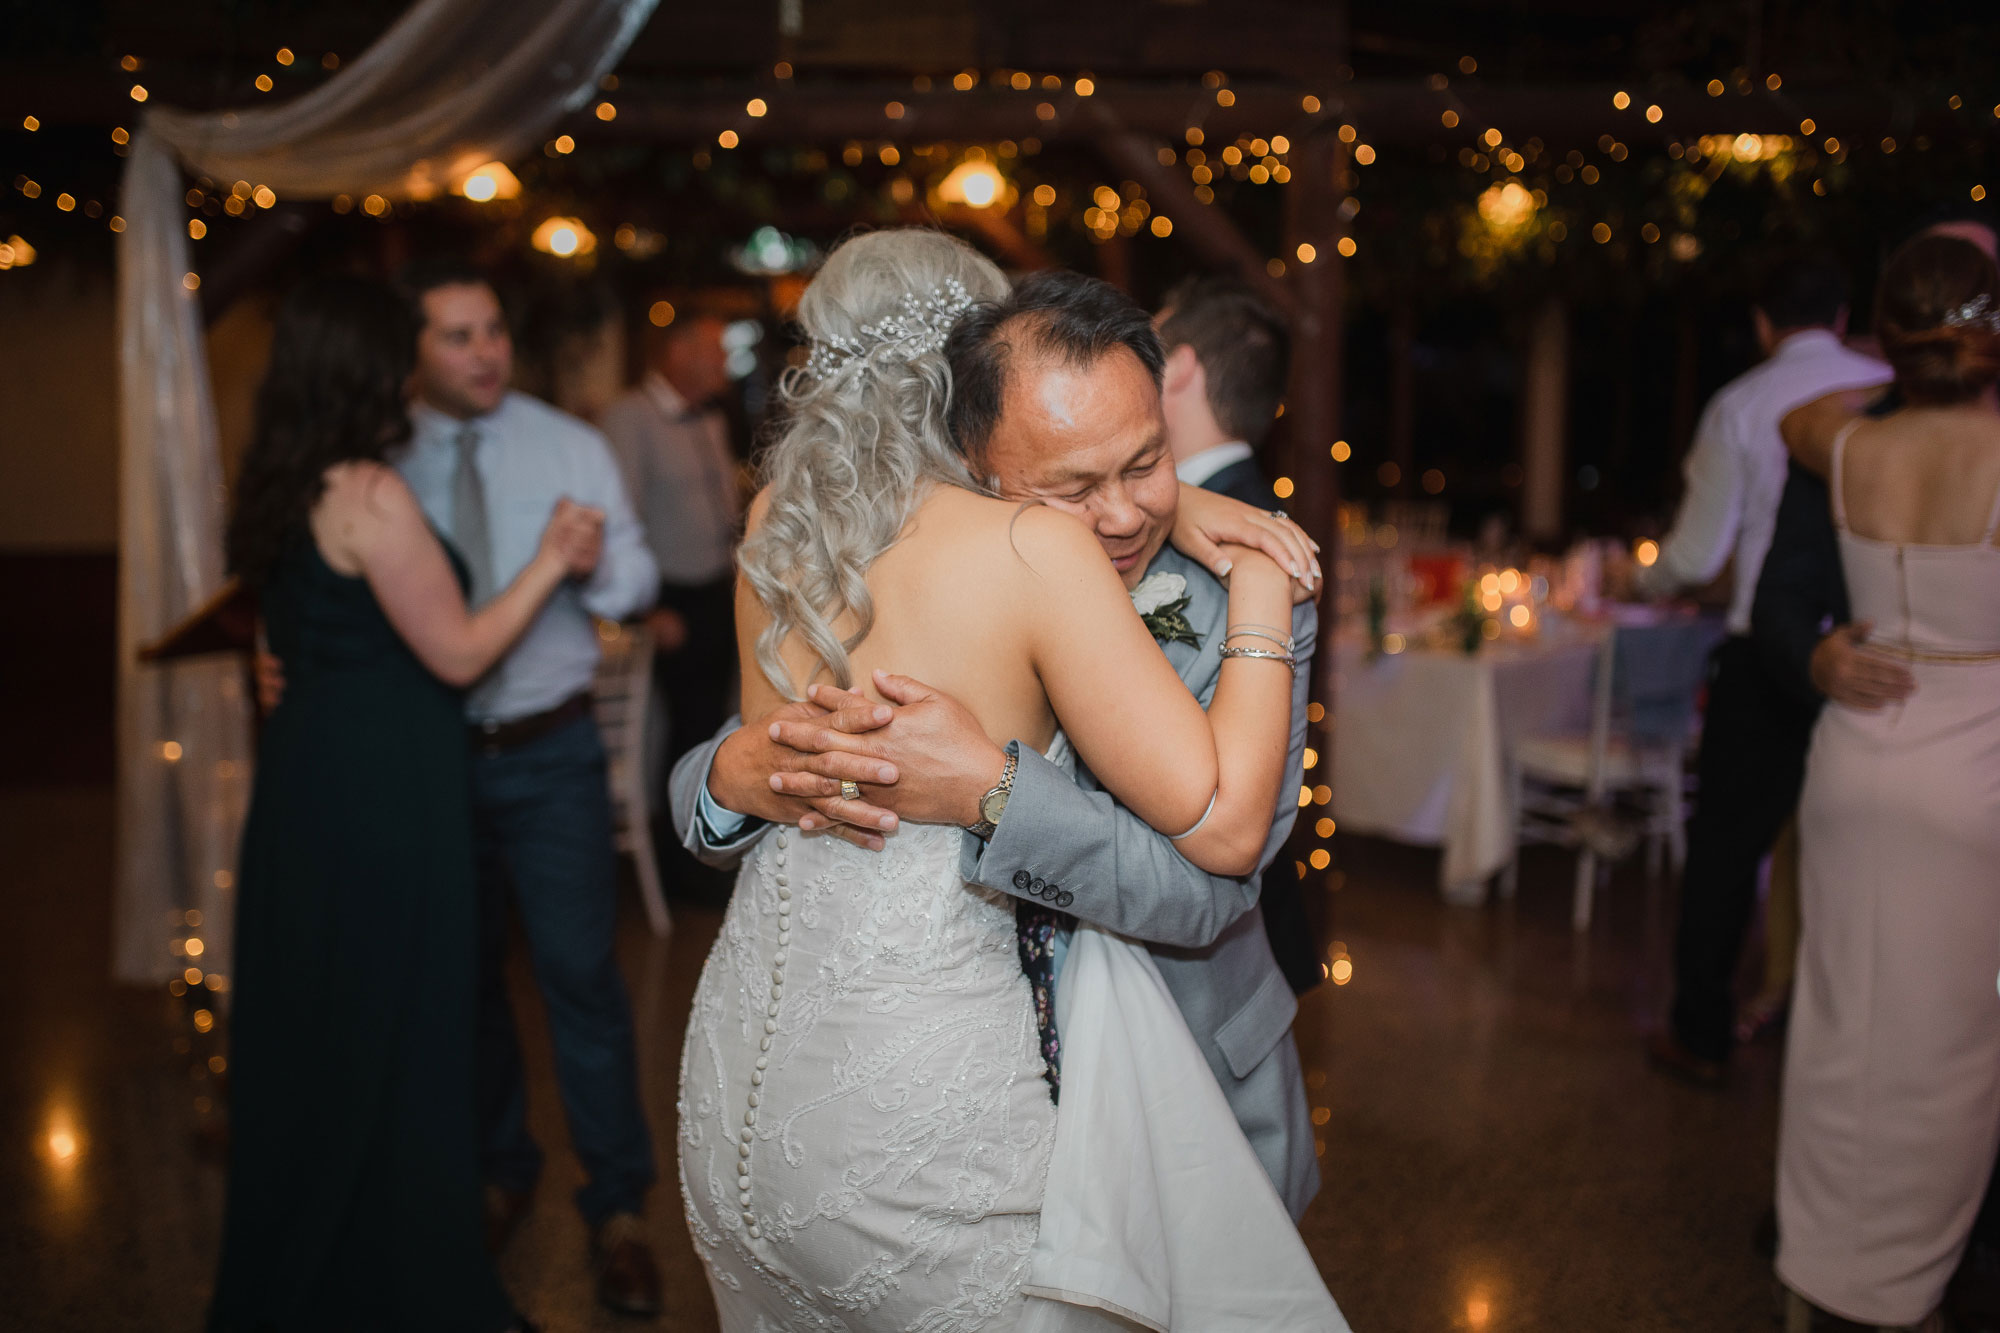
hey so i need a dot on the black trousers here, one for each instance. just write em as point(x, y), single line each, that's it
point(1751, 768)
point(698, 683)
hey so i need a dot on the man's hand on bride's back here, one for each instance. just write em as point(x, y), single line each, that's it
point(940, 762)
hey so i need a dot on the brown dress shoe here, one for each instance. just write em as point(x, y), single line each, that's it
point(1671, 1058)
point(504, 1210)
point(627, 1279)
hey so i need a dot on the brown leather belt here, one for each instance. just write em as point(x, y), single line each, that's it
point(494, 737)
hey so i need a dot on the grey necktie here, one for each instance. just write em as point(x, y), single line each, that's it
point(468, 516)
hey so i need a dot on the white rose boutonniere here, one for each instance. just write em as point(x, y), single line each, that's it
point(1161, 600)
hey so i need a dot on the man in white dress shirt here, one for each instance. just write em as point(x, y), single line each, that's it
point(487, 465)
point(673, 445)
point(1754, 732)
point(1228, 354)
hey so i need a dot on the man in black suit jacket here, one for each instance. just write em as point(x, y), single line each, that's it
point(1228, 354)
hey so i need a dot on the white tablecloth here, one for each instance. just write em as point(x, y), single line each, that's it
point(1421, 739)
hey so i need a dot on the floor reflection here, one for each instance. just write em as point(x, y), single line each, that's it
point(1496, 1155)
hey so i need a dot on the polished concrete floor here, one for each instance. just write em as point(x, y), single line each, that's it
point(1497, 1156)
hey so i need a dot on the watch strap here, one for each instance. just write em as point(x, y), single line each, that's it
point(985, 827)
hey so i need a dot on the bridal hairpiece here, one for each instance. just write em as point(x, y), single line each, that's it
point(920, 324)
point(1979, 310)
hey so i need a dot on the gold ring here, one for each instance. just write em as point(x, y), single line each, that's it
point(850, 790)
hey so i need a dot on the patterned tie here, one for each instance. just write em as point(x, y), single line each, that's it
point(1035, 932)
point(468, 516)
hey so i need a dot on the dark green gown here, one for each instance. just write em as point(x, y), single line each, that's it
point(354, 1191)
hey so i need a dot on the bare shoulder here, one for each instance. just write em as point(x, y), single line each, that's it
point(760, 507)
point(363, 500)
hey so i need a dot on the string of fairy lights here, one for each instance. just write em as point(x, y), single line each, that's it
point(1512, 216)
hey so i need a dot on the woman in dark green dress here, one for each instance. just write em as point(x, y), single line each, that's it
point(354, 1194)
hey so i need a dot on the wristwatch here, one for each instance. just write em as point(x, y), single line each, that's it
point(994, 803)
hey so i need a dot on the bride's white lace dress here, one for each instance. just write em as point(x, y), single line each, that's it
point(866, 1134)
point(865, 1129)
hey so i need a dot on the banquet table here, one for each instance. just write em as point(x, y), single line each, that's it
point(1422, 737)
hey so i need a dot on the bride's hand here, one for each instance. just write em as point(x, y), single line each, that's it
point(1207, 521)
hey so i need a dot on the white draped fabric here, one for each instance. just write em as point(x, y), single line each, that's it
point(1157, 1212)
point(452, 85)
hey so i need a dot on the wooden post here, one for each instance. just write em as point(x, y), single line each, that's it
point(1545, 422)
point(1312, 403)
point(1402, 392)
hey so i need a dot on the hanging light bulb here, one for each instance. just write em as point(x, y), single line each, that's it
point(565, 238)
point(488, 182)
point(976, 184)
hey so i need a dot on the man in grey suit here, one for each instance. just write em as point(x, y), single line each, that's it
point(1060, 843)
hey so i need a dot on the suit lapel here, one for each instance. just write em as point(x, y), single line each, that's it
point(1207, 610)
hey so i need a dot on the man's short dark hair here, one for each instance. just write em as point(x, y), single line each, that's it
point(1242, 344)
point(1805, 290)
point(420, 277)
point(1058, 313)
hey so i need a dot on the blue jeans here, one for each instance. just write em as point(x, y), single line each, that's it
point(542, 829)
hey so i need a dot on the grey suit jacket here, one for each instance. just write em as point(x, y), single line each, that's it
point(1070, 844)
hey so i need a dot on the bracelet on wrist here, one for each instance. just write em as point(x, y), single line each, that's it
point(1262, 654)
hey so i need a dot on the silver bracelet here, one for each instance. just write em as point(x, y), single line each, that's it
point(1263, 653)
point(1242, 632)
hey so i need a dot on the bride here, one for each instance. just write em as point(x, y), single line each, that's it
point(865, 1130)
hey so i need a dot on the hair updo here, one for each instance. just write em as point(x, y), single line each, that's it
point(1937, 312)
point(865, 433)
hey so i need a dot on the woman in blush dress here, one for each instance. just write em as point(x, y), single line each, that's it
point(354, 1195)
point(1891, 1112)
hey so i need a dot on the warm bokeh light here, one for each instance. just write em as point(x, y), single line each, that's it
point(1342, 451)
point(17, 253)
point(1647, 552)
point(1324, 828)
point(755, 106)
point(1282, 488)
point(974, 183)
point(1320, 859)
point(564, 238)
point(661, 314)
point(1520, 616)
point(171, 750)
point(1392, 644)
point(1621, 99)
point(1342, 971)
point(1507, 206)
point(488, 182)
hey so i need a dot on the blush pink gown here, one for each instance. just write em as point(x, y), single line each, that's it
point(1891, 1111)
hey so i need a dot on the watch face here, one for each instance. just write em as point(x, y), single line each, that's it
point(992, 806)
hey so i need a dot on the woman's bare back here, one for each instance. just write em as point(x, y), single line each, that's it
point(948, 605)
point(1923, 476)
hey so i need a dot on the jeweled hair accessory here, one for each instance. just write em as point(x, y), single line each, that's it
point(921, 324)
point(1979, 310)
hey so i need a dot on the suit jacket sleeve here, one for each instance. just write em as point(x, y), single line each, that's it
point(1083, 852)
point(1801, 589)
point(684, 788)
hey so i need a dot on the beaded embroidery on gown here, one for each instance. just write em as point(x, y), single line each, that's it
point(865, 1130)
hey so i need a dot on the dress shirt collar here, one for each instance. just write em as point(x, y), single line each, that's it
point(1805, 342)
point(428, 423)
point(1199, 468)
point(668, 399)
